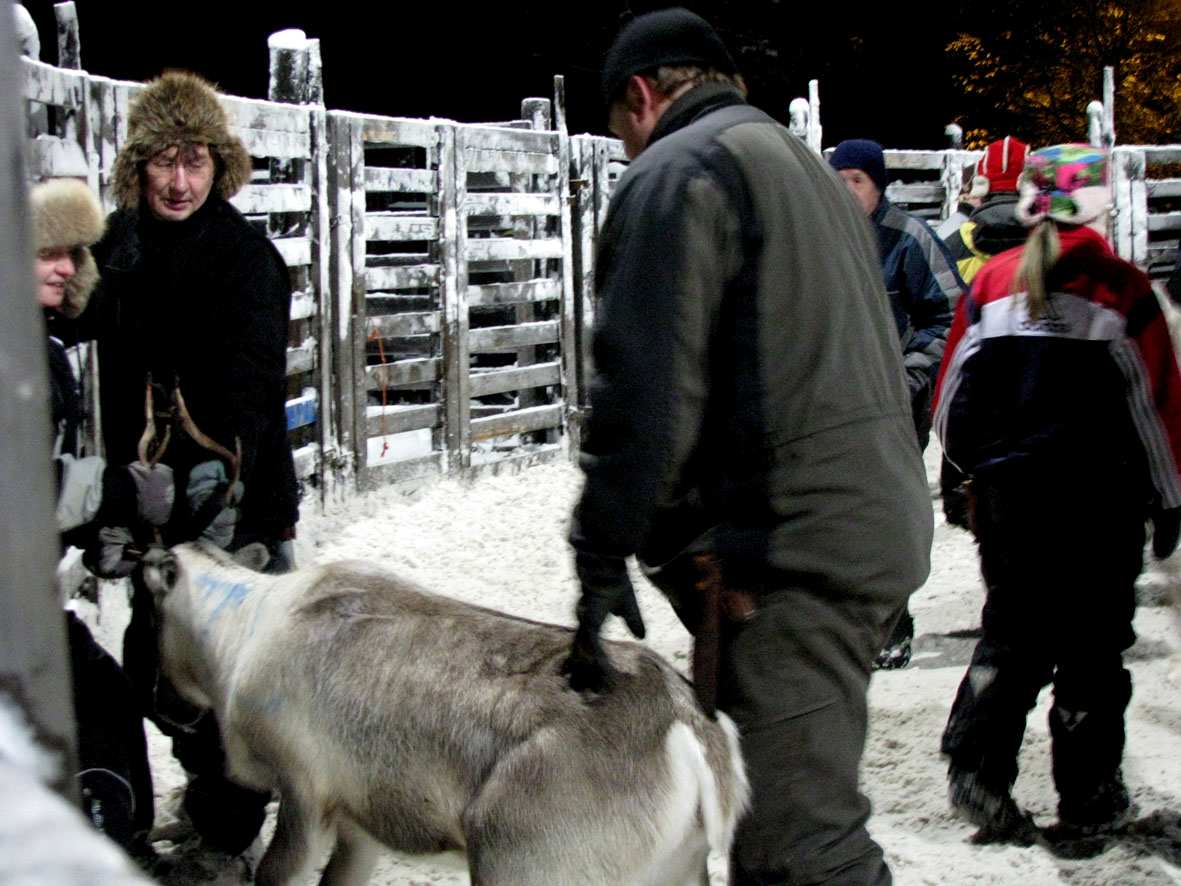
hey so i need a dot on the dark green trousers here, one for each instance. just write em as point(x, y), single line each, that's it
point(794, 679)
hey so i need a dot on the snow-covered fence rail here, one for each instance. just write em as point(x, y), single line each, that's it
point(1147, 182)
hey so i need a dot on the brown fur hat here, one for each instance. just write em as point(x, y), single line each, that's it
point(178, 108)
point(66, 215)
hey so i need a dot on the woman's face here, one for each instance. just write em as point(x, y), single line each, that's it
point(55, 268)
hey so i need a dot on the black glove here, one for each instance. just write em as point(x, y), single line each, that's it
point(1166, 528)
point(214, 519)
point(606, 590)
point(953, 488)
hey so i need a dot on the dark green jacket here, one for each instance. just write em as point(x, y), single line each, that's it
point(749, 383)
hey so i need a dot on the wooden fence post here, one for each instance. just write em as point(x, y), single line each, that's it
point(69, 42)
point(815, 131)
point(798, 112)
point(1130, 231)
point(1095, 124)
point(34, 662)
point(456, 320)
point(1109, 107)
point(567, 335)
point(340, 293)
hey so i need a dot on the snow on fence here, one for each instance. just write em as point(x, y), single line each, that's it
point(442, 273)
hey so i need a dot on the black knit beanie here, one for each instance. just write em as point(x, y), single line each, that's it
point(863, 154)
point(666, 37)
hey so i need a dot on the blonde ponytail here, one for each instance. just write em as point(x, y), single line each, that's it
point(1041, 252)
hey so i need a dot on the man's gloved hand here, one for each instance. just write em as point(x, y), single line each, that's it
point(606, 590)
point(1166, 529)
point(154, 492)
point(113, 554)
point(216, 518)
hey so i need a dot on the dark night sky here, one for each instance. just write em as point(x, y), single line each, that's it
point(882, 75)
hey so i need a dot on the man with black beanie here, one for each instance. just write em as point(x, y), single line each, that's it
point(750, 441)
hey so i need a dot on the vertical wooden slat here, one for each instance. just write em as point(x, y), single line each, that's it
point(569, 346)
point(357, 312)
point(457, 383)
point(584, 315)
point(320, 278)
point(69, 43)
point(340, 296)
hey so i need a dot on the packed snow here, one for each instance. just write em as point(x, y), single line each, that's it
point(500, 542)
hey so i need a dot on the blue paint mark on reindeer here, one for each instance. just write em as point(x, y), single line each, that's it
point(222, 594)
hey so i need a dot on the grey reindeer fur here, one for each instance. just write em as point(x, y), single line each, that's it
point(384, 714)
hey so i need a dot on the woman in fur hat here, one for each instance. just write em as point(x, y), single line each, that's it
point(193, 297)
point(114, 779)
point(1060, 397)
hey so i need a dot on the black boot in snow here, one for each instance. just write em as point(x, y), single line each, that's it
point(1106, 810)
point(993, 811)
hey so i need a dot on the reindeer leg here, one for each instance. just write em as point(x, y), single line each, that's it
point(353, 859)
point(290, 852)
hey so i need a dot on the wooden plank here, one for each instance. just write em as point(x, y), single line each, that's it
point(456, 315)
point(257, 199)
point(522, 421)
point(510, 162)
point(406, 277)
point(376, 130)
point(517, 461)
point(1163, 187)
point(295, 251)
point(1164, 221)
point(403, 181)
point(255, 113)
point(390, 226)
point(508, 249)
point(915, 192)
point(509, 338)
point(569, 341)
point(495, 138)
point(512, 204)
point(302, 358)
point(51, 157)
point(333, 480)
point(1161, 154)
point(905, 159)
point(303, 411)
point(403, 372)
point(404, 325)
point(307, 460)
point(502, 380)
point(584, 258)
point(51, 85)
point(399, 419)
point(304, 304)
point(274, 143)
point(515, 293)
point(411, 470)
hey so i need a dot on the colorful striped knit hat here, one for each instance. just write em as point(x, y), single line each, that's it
point(1066, 183)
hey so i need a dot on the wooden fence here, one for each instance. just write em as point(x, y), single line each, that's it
point(442, 273)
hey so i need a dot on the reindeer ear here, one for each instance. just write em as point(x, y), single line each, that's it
point(253, 556)
point(160, 570)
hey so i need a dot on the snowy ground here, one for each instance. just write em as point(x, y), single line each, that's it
point(501, 542)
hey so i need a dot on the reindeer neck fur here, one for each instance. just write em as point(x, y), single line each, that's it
point(210, 614)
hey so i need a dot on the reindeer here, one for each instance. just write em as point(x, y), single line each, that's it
point(384, 714)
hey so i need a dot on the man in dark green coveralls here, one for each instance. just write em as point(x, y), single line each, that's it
point(749, 402)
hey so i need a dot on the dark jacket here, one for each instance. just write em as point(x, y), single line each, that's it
point(1087, 393)
point(748, 393)
point(204, 301)
point(992, 228)
point(923, 286)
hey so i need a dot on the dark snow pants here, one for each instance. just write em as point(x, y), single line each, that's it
point(1060, 567)
point(114, 779)
point(794, 679)
point(225, 814)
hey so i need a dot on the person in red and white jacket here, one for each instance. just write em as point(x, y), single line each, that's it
point(1061, 399)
